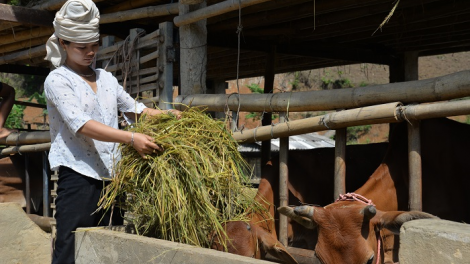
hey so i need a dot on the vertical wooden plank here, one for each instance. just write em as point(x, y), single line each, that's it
point(268, 88)
point(415, 169)
point(165, 66)
point(27, 184)
point(410, 73)
point(134, 81)
point(219, 88)
point(45, 184)
point(283, 179)
point(106, 42)
point(340, 163)
point(193, 52)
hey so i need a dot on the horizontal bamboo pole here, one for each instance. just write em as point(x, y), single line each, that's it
point(130, 4)
point(452, 86)
point(139, 13)
point(27, 34)
point(26, 138)
point(54, 4)
point(25, 149)
point(386, 113)
point(23, 55)
point(213, 10)
point(435, 110)
point(23, 44)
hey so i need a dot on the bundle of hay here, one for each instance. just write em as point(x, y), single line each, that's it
point(185, 193)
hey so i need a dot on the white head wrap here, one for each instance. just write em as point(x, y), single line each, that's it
point(77, 21)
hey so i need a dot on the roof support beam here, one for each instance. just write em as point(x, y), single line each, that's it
point(25, 15)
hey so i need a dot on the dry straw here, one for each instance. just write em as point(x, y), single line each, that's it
point(185, 193)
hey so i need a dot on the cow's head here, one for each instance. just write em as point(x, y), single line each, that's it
point(349, 232)
point(251, 240)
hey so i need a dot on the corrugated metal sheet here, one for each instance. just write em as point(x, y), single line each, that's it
point(306, 141)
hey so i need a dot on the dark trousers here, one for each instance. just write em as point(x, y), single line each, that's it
point(76, 203)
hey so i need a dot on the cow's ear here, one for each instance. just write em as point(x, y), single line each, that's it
point(305, 221)
point(272, 246)
point(393, 220)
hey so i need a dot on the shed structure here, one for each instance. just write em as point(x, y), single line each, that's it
point(213, 41)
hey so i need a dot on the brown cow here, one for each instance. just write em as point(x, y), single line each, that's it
point(245, 238)
point(348, 229)
point(315, 169)
point(257, 237)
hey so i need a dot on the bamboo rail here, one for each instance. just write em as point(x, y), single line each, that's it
point(25, 148)
point(24, 44)
point(54, 4)
point(26, 35)
point(131, 4)
point(26, 138)
point(452, 86)
point(378, 114)
point(139, 13)
point(434, 110)
point(213, 10)
point(22, 55)
point(386, 113)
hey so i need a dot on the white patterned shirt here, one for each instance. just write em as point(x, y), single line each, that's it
point(71, 103)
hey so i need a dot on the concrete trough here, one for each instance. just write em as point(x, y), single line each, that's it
point(100, 246)
point(434, 241)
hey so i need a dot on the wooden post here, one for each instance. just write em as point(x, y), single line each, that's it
point(411, 70)
point(415, 169)
point(134, 34)
point(283, 179)
point(193, 52)
point(165, 66)
point(27, 184)
point(219, 88)
point(410, 62)
point(268, 89)
point(45, 184)
point(405, 68)
point(340, 162)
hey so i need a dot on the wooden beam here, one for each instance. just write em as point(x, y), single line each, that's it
point(54, 4)
point(213, 10)
point(139, 13)
point(26, 34)
point(26, 16)
point(22, 55)
point(23, 69)
point(24, 44)
point(128, 5)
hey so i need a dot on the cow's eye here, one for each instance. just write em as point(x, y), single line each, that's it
point(370, 259)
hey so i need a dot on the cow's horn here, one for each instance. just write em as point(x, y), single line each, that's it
point(369, 211)
point(304, 210)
